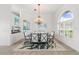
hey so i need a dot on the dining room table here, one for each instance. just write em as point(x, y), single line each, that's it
point(39, 40)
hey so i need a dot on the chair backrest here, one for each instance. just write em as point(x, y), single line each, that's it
point(27, 36)
point(51, 35)
point(34, 37)
point(44, 37)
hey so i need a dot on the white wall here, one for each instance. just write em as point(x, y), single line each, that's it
point(74, 42)
point(5, 24)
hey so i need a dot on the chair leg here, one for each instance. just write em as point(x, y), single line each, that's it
point(55, 45)
point(47, 45)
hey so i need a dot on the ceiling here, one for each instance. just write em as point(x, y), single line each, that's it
point(29, 8)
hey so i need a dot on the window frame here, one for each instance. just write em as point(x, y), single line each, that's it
point(63, 31)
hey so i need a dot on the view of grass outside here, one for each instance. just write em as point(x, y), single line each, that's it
point(68, 33)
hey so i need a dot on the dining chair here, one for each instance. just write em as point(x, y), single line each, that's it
point(27, 38)
point(44, 40)
point(51, 39)
point(54, 39)
point(34, 40)
point(26, 41)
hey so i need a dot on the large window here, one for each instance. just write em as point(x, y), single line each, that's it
point(65, 24)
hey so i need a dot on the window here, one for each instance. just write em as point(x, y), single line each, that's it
point(26, 26)
point(65, 24)
point(42, 27)
point(16, 21)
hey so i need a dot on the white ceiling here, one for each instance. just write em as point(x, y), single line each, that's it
point(45, 8)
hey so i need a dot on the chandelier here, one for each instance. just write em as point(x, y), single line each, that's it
point(39, 19)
